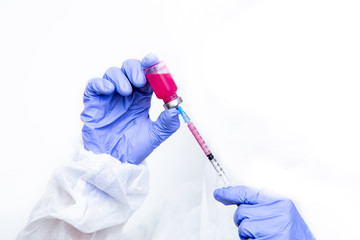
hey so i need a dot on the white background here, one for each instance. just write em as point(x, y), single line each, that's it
point(272, 85)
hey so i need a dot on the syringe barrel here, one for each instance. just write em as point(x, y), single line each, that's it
point(205, 148)
point(198, 138)
point(219, 170)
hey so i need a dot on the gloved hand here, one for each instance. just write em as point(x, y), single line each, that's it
point(264, 215)
point(116, 113)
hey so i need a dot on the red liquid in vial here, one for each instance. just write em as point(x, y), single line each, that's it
point(163, 85)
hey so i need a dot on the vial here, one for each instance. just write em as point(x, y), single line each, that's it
point(163, 84)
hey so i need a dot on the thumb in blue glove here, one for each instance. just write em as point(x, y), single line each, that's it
point(262, 214)
point(116, 113)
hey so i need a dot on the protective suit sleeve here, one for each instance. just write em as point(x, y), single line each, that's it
point(91, 198)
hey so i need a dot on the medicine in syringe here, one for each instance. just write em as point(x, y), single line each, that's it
point(204, 147)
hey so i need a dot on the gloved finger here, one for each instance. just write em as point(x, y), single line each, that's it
point(99, 86)
point(117, 77)
point(243, 212)
point(166, 124)
point(134, 72)
point(149, 60)
point(240, 195)
point(247, 229)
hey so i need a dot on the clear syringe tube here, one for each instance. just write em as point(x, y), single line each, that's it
point(204, 147)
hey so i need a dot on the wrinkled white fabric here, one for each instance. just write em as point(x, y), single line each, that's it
point(90, 198)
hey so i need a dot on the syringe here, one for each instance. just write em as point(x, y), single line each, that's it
point(165, 88)
point(204, 147)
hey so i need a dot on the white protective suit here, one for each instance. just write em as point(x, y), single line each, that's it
point(91, 198)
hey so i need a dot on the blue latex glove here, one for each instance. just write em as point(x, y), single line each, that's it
point(264, 215)
point(116, 113)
